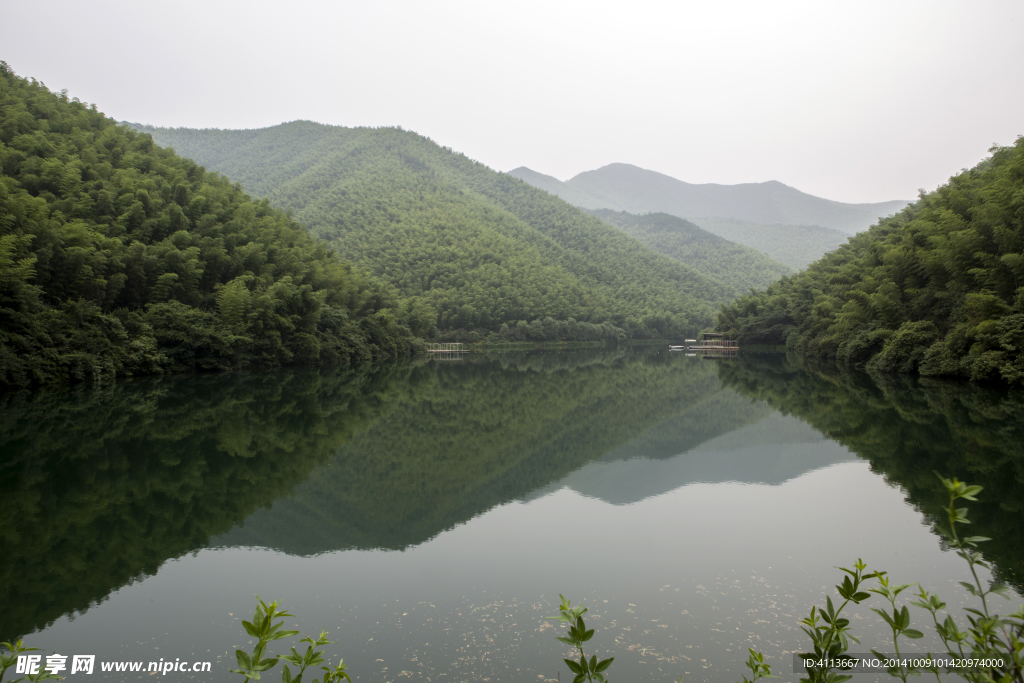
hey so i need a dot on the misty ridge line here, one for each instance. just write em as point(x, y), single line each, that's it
point(612, 187)
point(625, 187)
point(788, 226)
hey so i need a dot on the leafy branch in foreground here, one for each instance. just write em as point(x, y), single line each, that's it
point(584, 669)
point(995, 642)
point(990, 637)
point(14, 650)
point(898, 621)
point(830, 632)
point(263, 628)
point(758, 669)
point(312, 657)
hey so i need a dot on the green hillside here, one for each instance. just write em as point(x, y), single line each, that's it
point(118, 257)
point(938, 289)
point(739, 267)
point(482, 248)
point(797, 246)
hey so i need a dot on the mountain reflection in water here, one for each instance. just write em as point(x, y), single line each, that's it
point(101, 487)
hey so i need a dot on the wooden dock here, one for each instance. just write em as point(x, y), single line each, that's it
point(447, 351)
point(711, 344)
point(715, 341)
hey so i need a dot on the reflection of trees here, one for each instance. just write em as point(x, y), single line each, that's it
point(908, 430)
point(476, 435)
point(100, 488)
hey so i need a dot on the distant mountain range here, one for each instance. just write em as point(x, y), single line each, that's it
point(629, 188)
point(790, 226)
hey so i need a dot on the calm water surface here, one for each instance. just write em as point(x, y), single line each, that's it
point(427, 515)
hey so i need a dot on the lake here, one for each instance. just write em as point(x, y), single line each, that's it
point(428, 514)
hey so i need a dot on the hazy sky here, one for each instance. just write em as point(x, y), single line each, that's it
point(855, 101)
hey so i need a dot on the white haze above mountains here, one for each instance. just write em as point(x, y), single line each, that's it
point(791, 226)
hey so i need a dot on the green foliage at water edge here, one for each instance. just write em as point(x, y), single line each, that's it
point(937, 289)
point(118, 257)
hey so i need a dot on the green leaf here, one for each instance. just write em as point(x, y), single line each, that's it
point(265, 664)
point(912, 633)
point(969, 587)
point(286, 674)
point(250, 629)
point(603, 666)
point(283, 634)
point(588, 635)
point(573, 666)
point(565, 640)
point(885, 616)
point(971, 491)
point(579, 678)
point(243, 660)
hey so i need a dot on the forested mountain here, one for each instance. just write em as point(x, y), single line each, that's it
point(482, 248)
point(629, 188)
point(937, 289)
point(118, 257)
point(797, 246)
point(737, 266)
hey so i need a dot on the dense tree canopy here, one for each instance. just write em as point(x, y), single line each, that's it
point(797, 246)
point(118, 257)
point(482, 248)
point(937, 289)
point(734, 265)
